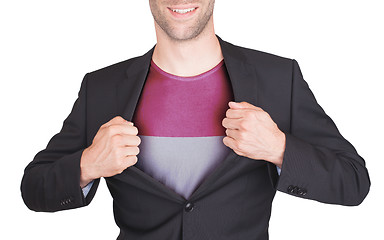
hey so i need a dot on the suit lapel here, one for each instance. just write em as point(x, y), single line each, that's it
point(129, 88)
point(242, 75)
point(243, 79)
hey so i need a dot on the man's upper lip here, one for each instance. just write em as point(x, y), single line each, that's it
point(187, 6)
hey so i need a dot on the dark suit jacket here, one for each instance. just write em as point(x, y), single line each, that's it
point(234, 202)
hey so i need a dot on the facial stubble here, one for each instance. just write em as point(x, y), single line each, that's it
point(192, 31)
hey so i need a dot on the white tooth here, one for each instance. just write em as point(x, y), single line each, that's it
point(182, 11)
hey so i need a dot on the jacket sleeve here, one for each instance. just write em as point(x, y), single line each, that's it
point(51, 182)
point(319, 163)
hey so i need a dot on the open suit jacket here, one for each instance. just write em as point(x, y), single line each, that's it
point(234, 202)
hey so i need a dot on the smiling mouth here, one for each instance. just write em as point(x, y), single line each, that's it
point(183, 11)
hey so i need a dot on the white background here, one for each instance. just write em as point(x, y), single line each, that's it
point(47, 47)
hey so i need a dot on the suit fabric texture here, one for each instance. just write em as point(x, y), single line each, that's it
point(234, 201)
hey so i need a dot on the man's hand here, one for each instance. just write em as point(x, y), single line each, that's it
point(114, 148)
point(252, 133)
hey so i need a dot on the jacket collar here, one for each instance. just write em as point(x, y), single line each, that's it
point(243, 78)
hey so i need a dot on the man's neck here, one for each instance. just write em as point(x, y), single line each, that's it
point(187, 58)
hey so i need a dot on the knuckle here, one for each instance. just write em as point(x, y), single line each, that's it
point(115, 165)
point(223, 122)
point(115, 139)
point(267, 115)
point(135, 130)
point(120, 165)
point(138, 139)
point(132, 141)
point(227, 132)
point(240, 153)
point(119, 171)
point(116, 153)
point(237, 145)
point(243, 124)
point(249, 114)
point(118, 118)
point(225, 141)
point(112, 129)
point(263, 116)
point(137, 150)
point(243, 135)
point(132, 160)
point(228, 112)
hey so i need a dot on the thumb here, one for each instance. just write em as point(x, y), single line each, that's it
point(238, 105)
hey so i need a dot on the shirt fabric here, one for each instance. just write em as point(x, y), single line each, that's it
point(179, 122)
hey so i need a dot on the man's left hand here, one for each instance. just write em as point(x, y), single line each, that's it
point(252, 133)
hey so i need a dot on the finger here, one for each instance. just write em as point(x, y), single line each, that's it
point(236, 113)
point(121, 129)
point(231, 123)
point(231, 143)
point(232, 133)
point(117, 120)
point(242, 105)
point(130, 151)
point(125, 140)
point(131, 140)
point(130, 160)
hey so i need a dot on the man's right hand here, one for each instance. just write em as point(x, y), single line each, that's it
point(113, 149)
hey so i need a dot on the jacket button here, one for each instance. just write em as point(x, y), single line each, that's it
point(291, 189)
point(189, 207)
point(302, 192)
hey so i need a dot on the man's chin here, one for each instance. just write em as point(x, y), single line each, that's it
point(184, 35)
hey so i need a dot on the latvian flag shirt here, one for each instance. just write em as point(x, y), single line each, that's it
point(179, 123)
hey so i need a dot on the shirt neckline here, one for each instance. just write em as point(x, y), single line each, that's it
point(189, 78)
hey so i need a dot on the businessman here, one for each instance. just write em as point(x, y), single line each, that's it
point(194, 138)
